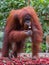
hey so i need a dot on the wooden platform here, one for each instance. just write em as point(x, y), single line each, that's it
point(30, 54)
point(40, 54)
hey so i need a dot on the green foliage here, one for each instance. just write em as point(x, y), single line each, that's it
point(41, 7)
point(1, 36)
point(28, 47)
point(43, 47)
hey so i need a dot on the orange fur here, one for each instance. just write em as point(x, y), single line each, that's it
point(18, 36)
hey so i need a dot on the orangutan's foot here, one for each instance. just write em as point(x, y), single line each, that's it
point(35, 57)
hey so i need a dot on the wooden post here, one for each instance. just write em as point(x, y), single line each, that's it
point(28, 2)
point(47, 43)
point(47, 39)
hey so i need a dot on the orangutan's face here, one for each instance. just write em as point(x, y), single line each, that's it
point(27, 22)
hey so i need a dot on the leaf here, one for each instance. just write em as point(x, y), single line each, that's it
point(41, 1)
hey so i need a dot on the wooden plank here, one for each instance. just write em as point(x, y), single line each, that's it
point(30, 54)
